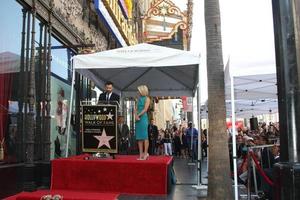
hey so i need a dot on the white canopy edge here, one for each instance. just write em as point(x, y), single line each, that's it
point(140, 55)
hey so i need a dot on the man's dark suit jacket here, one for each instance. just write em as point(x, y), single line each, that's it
point(124, 132)
point(113, 97)
point(152, 130)
point(267, 158)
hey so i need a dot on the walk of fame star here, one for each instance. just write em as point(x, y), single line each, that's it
point(109, 116)
point(103, 139)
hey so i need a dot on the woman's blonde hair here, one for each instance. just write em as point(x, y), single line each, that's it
point(143, 90)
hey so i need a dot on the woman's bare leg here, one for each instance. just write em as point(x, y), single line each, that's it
point(146, 145)
point(140, 144)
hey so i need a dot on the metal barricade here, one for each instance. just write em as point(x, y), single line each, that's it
point(251, 163)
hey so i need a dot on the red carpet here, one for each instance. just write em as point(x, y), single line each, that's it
point(121, 175)
point(67, 195)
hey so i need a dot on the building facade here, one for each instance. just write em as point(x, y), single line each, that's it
point(37, 40)
point(167, 23)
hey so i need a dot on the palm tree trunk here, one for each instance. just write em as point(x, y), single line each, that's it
point(219, 182)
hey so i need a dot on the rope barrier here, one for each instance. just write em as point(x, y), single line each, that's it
point(260, 170)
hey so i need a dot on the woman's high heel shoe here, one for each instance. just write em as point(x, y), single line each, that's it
point(146, 157)
point(141, 157)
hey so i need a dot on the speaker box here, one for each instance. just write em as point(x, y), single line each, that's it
point(253, 123)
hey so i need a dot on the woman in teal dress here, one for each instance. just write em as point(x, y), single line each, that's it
point(141, 124)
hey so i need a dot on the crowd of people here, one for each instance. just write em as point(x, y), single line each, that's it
point(179, 141)
point(262, 145)
point(175, 141)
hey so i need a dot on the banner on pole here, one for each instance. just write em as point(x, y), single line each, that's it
point(187, 103)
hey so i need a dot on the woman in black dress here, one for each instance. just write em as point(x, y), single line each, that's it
point(184, 145)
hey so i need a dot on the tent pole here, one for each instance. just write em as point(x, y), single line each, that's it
point(192, 134)
point(70, 110)
point(191, 148)
point(233, 137)
point(199, 158)
point(121, 108)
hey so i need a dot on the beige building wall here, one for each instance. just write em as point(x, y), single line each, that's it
point(163, 112)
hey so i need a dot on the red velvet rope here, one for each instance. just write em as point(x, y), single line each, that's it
point(260, 170)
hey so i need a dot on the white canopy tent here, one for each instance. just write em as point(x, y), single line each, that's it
point(166, 72)
point(247, 108)
point(253, 87)
point(250, 108)
point(248, 96)
point(253, 95)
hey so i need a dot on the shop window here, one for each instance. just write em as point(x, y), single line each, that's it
point(60, 59)
point(10, 47)
point(60, 100)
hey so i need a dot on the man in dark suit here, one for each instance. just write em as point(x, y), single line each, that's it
point(266, 155)
point(123, 135)
point(109, 95)
point(153, 135)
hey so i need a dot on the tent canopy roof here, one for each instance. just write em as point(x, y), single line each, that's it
point(253, 87)
point(166, 71)
point(248, 108)
point(254, 95)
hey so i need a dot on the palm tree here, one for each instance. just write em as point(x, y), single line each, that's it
point(219, 182)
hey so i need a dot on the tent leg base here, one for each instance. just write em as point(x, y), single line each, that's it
point(200, 187)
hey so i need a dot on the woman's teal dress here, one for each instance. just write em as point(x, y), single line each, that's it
point(141, 126)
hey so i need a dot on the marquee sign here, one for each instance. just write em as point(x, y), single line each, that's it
point(162, 21)
point(99, 128)
point(111, 11)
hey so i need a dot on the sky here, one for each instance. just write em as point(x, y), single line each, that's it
point(10, 37)
point(247, 36)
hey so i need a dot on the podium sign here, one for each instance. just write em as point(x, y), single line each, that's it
point(99, 128)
